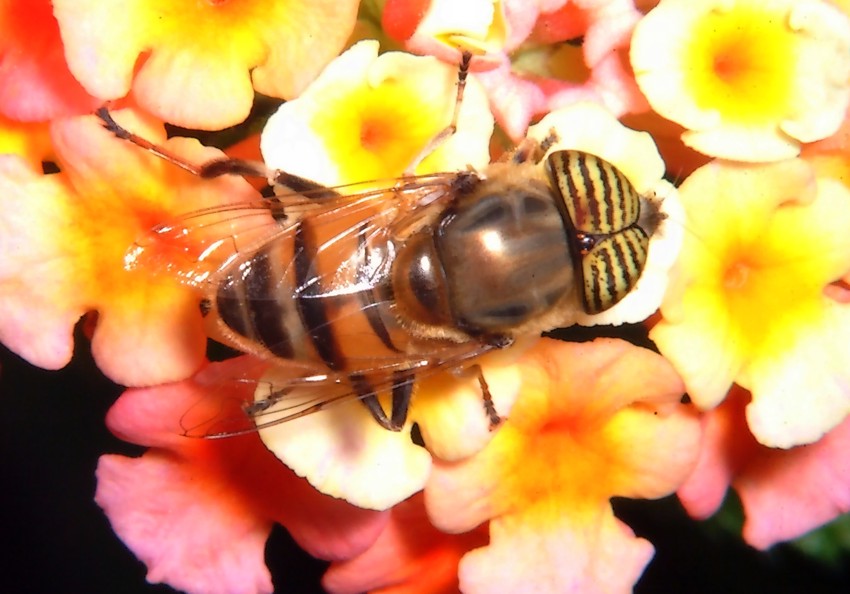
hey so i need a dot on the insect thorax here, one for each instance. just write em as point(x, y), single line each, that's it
point(497, 259)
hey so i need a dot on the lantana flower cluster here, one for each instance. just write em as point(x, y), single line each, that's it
point(730, 114)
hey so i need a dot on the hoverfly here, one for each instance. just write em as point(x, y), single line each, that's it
point(367, 290)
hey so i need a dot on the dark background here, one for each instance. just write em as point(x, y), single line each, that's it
point(57, 540)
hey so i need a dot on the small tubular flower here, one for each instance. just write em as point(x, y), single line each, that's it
point(527, 56)
point(369, 117)
point(198, 512)
point(748, 301)
point(784, 493)
point(65, 236)
point(749, 79)
point(205, 80)
point(594, 420)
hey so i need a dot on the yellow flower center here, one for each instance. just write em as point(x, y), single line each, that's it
point(379, 132)
point(764, 286)
point(736, 276)
point(374, 135)
point(741, 63)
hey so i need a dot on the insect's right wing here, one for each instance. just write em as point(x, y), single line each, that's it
point(193, 246)
point(241, 398)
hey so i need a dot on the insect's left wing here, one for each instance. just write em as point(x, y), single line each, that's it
point(194, 247)
point(191, 247)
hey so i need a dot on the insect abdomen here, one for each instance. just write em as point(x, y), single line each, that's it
point(292, 300)
point(255, 302)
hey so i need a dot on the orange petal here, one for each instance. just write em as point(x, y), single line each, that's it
point(199, 80)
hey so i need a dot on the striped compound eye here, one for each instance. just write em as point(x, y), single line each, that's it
point(601, 210)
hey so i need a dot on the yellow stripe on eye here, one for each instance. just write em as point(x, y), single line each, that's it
point(603, 205)
point(612, 268)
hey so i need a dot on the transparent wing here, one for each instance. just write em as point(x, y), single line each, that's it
point(196, 247)
point(264, 395)
point(309, 280)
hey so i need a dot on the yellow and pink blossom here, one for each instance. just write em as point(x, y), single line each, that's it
point(65, 237)
point(198, 512)
point(748, 302)
point(593, 421)
point(784, 493)
point(750, 80)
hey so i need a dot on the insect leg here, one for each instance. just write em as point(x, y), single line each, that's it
point(372, 404)
point(531, 149)
point(448, 132)
point(281, 181)
point(489, 408)
point(487, 397)
point(214, 168)
point(227, 166)
point(402, 391)
point(110, 124)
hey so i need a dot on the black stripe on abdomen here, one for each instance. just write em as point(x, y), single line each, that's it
point(309, 301)
point(249, 303)
point(368, 298)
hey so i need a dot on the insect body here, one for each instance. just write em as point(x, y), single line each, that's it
point(365, 291)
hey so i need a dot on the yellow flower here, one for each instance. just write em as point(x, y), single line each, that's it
point(594, 421)
point(369, 117)
point(749, 79)
point(747, 302)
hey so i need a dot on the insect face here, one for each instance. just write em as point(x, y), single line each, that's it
point(607, 230)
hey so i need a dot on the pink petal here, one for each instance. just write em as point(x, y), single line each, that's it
point(513, 100)
point(727, 448)
point(788, 493)
point(189, 534)
point(521, 17)
point(410, 556)
point(785, 493)
point(35, 83)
